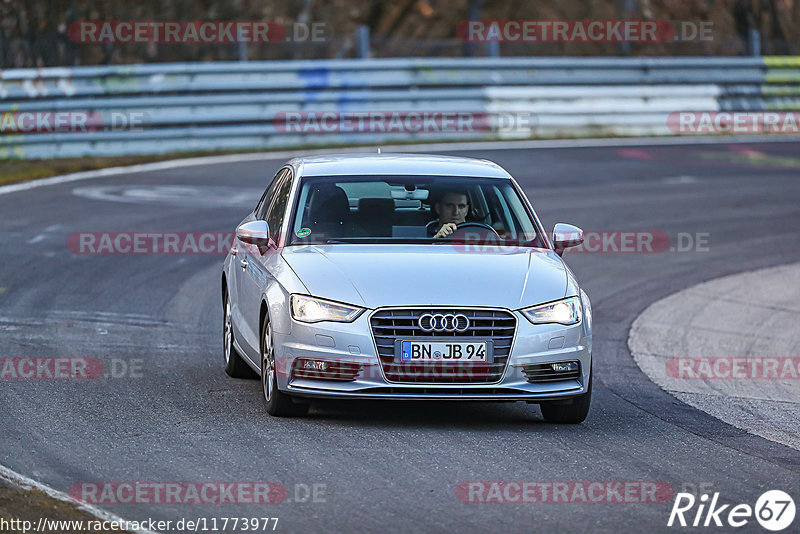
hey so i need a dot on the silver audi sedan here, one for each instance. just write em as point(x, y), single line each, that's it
point(402, 276)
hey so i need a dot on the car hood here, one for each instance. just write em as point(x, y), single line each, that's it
point(419, 275)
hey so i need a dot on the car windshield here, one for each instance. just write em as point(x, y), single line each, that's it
point(410, 209)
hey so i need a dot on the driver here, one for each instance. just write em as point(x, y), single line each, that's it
point(452, 207)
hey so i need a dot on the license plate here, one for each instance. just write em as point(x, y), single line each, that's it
point(443, 351)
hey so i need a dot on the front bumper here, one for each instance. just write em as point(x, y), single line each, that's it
point(354, 343)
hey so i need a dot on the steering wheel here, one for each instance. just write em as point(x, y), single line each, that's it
point(473, 224)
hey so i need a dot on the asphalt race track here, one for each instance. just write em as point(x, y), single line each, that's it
point(380, 466)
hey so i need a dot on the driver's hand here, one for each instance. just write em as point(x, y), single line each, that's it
point(446, 230)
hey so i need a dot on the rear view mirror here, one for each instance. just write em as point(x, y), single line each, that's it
point(565, 236)
point(255, 233)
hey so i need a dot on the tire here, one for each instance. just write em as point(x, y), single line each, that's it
point(235, 366)
point(279, 404)
point(573, 413)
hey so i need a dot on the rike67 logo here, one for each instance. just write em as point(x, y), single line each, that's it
point(774, 510)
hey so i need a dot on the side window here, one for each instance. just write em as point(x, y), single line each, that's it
point(266, 198)
point(277, 209)
point(503, 216)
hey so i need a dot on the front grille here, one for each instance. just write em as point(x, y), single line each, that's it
point(495, 325)
point(544, 372)
point(333, 370)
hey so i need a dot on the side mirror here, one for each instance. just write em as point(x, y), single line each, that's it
point(256, 233)
point(565, 236)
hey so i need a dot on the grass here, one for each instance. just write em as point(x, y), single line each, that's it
point(23, 170)
point(31, 505)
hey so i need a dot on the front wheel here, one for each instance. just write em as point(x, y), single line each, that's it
point(572, 413)
point(279, 404)
point(235, 366)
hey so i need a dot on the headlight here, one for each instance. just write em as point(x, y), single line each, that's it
point(566, 311)
point(313, 310)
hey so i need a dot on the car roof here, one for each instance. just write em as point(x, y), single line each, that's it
point(396, 164)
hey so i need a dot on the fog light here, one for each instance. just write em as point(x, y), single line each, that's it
point(325, 369)
point(540, 373)
point(565, 367)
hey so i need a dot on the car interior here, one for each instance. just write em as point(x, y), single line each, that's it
point(389, 210)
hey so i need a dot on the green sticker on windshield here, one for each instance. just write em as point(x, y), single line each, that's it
point(303, 232)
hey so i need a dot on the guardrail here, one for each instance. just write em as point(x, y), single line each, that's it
point(251, 105)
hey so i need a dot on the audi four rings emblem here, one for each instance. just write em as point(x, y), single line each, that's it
point(443, 322)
